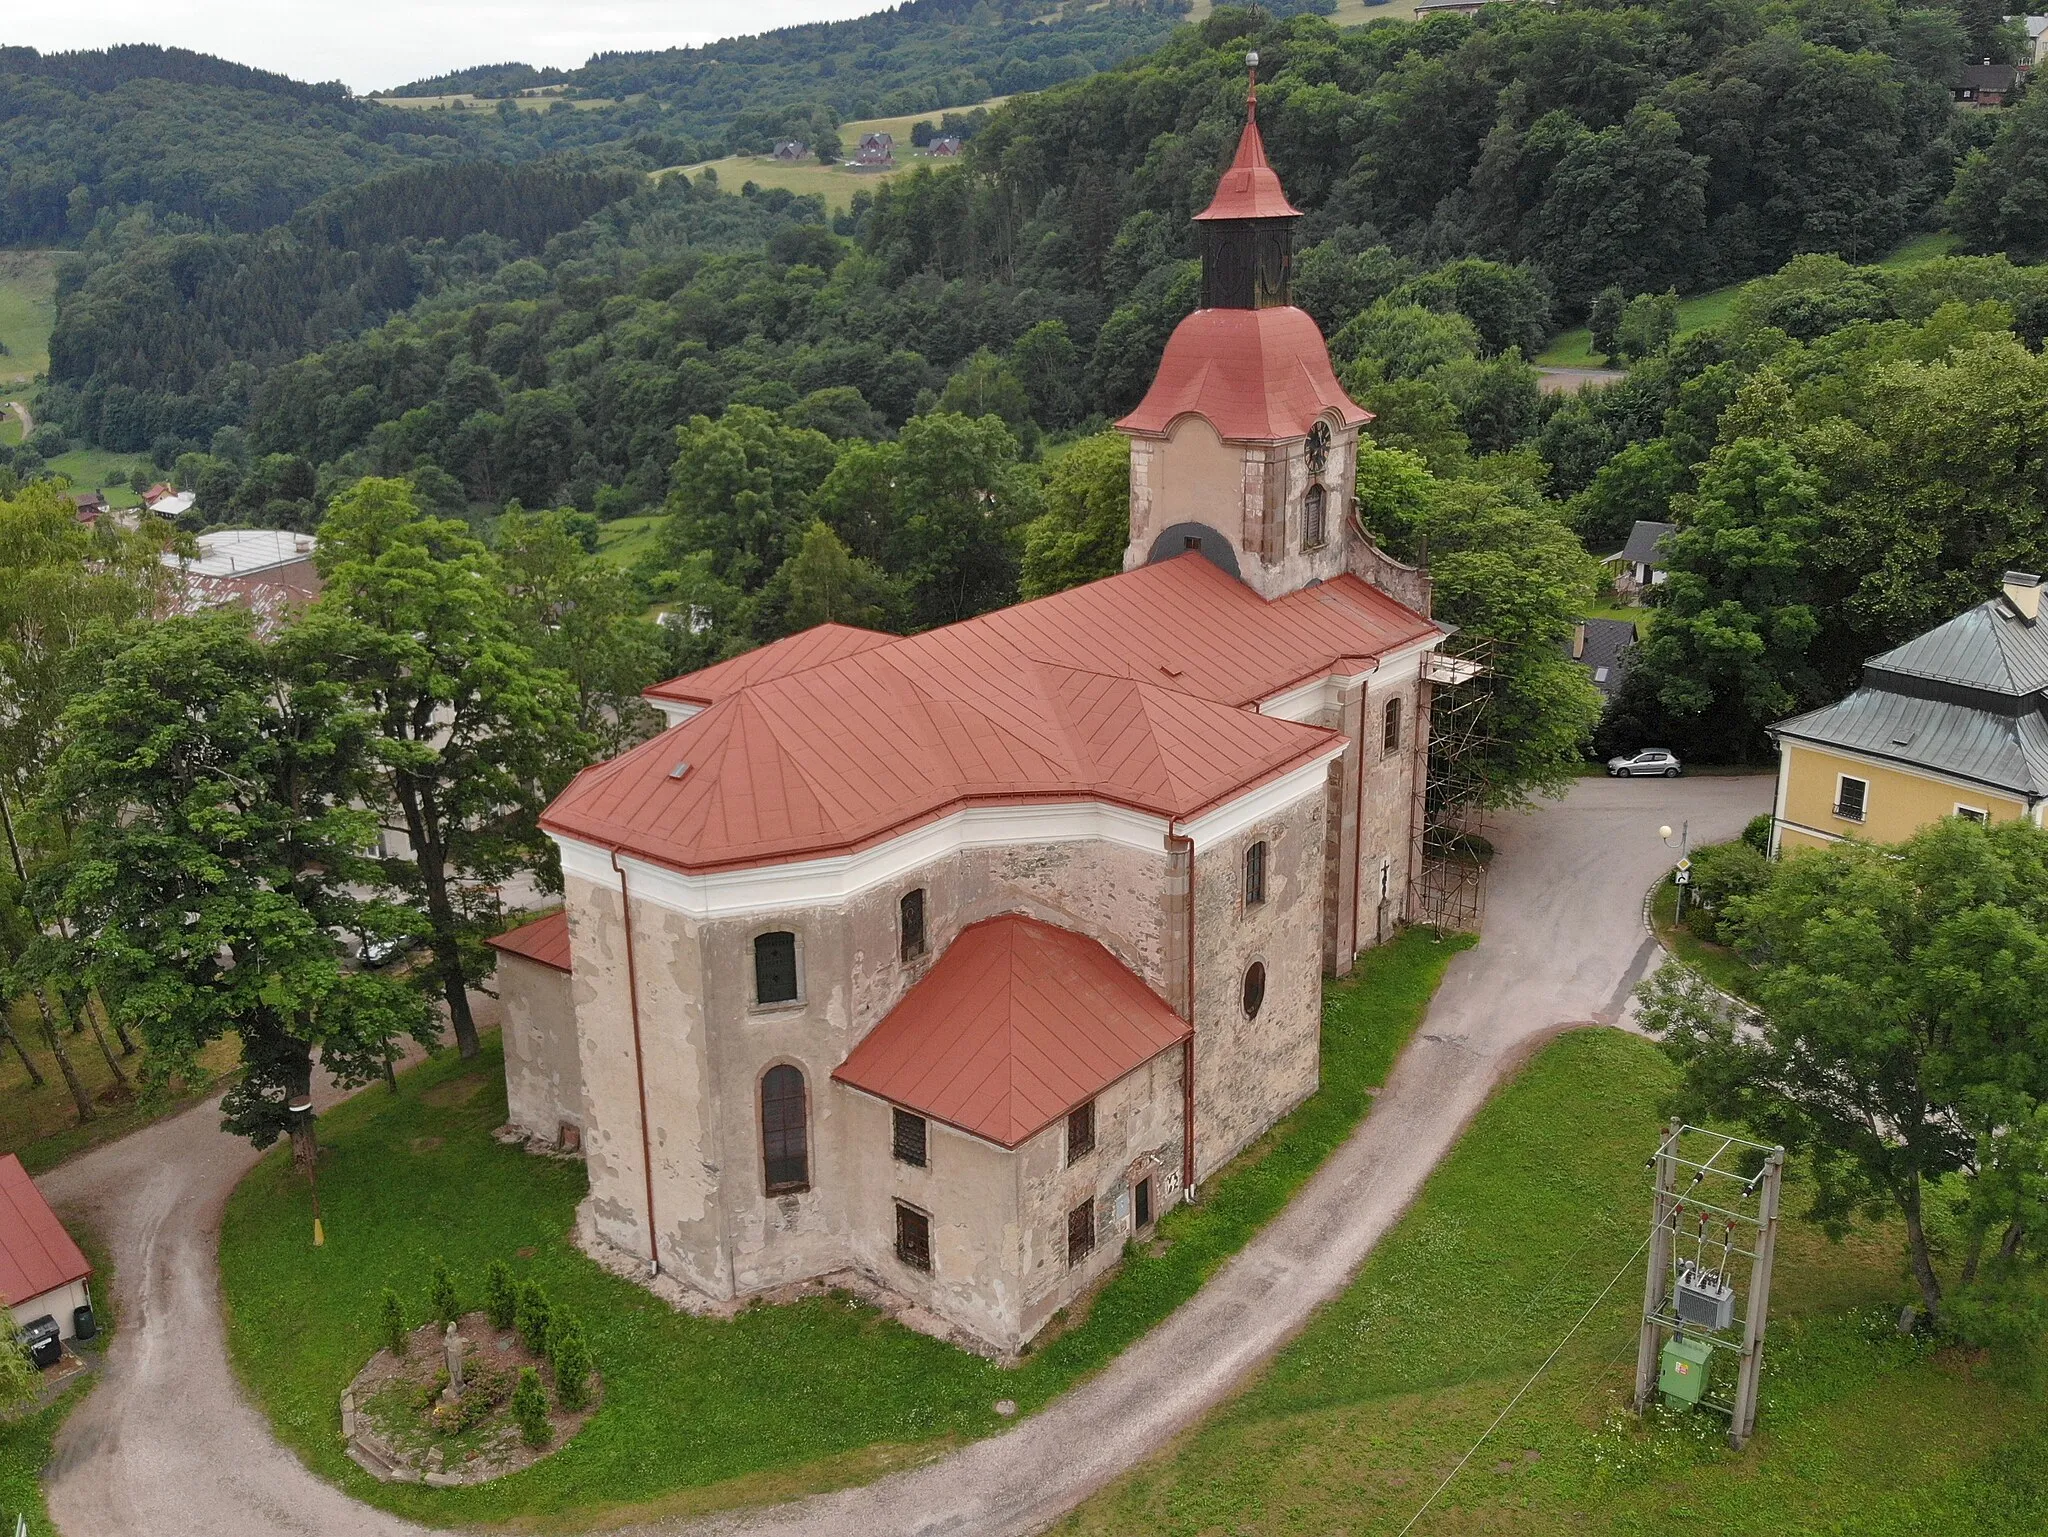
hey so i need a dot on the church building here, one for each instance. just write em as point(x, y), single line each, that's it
point(955, 959)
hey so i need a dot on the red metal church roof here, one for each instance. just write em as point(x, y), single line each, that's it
point(1017, 1024)
point(1251, 188)
point(545, 940)
point(1253, 375)
point(1130, 690)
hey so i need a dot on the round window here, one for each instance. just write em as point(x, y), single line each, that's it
point(1254, 988)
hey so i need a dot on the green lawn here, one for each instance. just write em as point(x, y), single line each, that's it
point(698, 1414)
point(1574, 348)
point(97, 469)
point(623, 541)
point(1511, 1241)
point(28, 309)
point(41, 1123)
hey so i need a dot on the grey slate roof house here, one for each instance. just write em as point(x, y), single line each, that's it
point(1984, 84)
point(1603, 647)
point(1953, 721)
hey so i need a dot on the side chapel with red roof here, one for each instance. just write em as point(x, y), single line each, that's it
point(955, 959)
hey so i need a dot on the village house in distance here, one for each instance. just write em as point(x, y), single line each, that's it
point(954, 959)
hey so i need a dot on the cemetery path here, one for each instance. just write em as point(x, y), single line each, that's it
point(167, 1442)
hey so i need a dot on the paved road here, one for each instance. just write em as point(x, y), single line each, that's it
point(1569, 381)
point(167, 1439)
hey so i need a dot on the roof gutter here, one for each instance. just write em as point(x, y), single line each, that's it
point(639, 1066)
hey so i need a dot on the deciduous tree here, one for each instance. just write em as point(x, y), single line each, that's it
point(468, 734)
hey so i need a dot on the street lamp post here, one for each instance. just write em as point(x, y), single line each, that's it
point(302, 1104)
point(1683, 874)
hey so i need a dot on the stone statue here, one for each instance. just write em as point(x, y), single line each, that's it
point(451, 1349)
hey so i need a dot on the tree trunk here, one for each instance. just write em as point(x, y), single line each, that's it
point(120, 1030)
point(1917, 1251)
point(1972, 1257)
point(390, 1074)
point(433, 868)
point(82, 1008)
point(35, 1074)
point(2009, 1246)
point(305, 1142)
point(54, 1039)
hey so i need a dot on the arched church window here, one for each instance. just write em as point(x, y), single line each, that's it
point(1314, 518)
point(785, 1138)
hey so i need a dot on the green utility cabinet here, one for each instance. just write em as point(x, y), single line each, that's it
point(1684, 1376)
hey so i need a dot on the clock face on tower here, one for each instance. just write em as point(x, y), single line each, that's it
point(1318, 447)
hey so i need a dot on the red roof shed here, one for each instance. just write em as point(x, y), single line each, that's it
point(36, 1254)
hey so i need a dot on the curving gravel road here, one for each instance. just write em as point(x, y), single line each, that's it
point(166, 1443)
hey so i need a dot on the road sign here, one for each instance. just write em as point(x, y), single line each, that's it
point(1683, 874)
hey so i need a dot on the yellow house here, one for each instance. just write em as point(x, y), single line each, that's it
point(1952, 723)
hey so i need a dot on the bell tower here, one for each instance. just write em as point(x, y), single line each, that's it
point(1245, 447)
point(1247, 231)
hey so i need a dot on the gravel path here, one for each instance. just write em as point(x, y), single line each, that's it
point(167, 1442)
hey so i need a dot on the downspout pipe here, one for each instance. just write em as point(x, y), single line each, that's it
point(639, 1065)
point(1187, 1070)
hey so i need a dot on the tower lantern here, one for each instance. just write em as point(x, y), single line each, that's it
point(1247, 231)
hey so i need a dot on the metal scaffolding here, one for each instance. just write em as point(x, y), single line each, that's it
point(1448, 823)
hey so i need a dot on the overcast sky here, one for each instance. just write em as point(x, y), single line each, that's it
point(376, 44)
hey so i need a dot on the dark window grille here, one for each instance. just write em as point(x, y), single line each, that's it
point(1080, 1232)
point(1254, 989)
point(1973, 814)
point(1850, 796)
point(908, 1140)
point(910, 923)
point(1255, 874)
point(914, 1238)
point(1313, 518)
point(1390, 727)
point(785, 1137)
point(1141, 1200)
point(1081, 1132)
point(775, 968)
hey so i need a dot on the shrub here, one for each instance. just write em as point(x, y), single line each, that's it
point(441, 1292)
point(535, 1314)
point(394, 1322)
point(501, 1297)
point(530, 1408)
point(571, 1358)
point(1756, 832)
point(1719, 873)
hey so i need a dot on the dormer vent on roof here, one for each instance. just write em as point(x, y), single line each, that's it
point(1248, 228)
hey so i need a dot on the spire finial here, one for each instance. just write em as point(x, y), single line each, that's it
point(1251, 95)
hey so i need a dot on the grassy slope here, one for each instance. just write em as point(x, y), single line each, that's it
point(832, 182)
point(42, 1124)
point(1511, 1241)
point(1574, 348)
point(28, 309)
point(697, 1413)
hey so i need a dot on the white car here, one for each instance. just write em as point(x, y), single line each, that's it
point(1651, 760)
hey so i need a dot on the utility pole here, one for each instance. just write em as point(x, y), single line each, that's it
point(1661, 1240)
point(1743, 1423)
point(1695, 1299)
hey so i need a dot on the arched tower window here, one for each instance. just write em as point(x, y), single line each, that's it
point(785, 1130)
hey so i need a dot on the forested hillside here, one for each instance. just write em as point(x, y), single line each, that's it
point(844, 417)
point(914, 57)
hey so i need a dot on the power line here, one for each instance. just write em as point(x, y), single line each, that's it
point(1627, 1266)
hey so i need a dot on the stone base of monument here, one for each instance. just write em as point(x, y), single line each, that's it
point(441, 1413)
